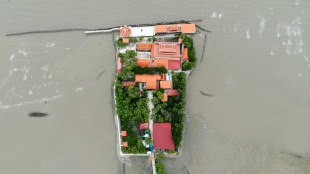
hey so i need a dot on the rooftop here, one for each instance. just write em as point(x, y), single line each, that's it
point(165, 84)
point(188, 28)
point(162, 138)
point(174, 64)
point(166, 50)
point(144, 46)
point(125, 31)
point(165, 99)
point(160, 63)
point(150, 80)
point(144, 62)
point(161, 28)
point(185, 54)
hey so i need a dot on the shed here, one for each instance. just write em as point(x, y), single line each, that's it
point(119, 65)
point(173, 92)
point(124, 133)
point(185, 54)
point(144, 125)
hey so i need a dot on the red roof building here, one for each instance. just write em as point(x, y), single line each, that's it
point(174, 64)
point(166, 50)
point(161, 28)
point(165, 99)
point(160, 63)
point(119, 65)
point(150, 80)
point(125, 40)
point(125, 31)
point(185, 54)
point(162, 138)
point(188, 28)
point(129, 83)
point(144, 62)
point(144, 46)
point(144, 125)
point(172, 92)
point(165, 84)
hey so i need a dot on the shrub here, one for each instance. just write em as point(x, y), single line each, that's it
point(160, 168)
point(187, 66)
point(160, 156)
point(141, 38)
point(120, 43)
point(132, 39)
point(154, 38)
point(120, 55)
point(149, 39)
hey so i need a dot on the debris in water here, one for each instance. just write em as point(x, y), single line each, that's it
point(38, 114)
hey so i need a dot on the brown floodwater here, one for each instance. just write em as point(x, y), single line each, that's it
point(255, 67)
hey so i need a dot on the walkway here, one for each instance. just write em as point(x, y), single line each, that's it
point(151, 106)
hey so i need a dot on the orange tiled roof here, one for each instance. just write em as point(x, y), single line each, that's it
point(129, 83)
point(144, 46)
point(165, 97)
point(165, 84)
point(125, 40)
point(160, 63)
point(166, 50)
point(144, 62)
point(180, 40)
point(185, 54)
point(174, 27)
point(161, 28)
point(124, 133)
point(188, 28)
point(125, 31)
point(125, 144)
point(150, 80)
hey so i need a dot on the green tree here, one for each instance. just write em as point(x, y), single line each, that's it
point(160, 168)
point(141, 38)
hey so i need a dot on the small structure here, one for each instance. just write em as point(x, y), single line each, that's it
point(174, 64)
point(125, 40)
point(124, 133)
point(180, 40)
point(162, 138)
point(185, 54)
point(144, 125)
point(173, 92)
point(188, 28)
point(165, 84)
point(174, 27)
point(119, 65)
point(165, 99)
point(125, 144)
point(144, 46)
point(125, 31)
point(144, 62)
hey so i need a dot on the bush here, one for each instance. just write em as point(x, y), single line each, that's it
point(187, 66)
point(133, 40)
point(160, 168)
point(149, 39)
point(120, 43)
point(160, 156)
point(141, 38)
point(154, 38)
point(120, 55)
point(149, 70)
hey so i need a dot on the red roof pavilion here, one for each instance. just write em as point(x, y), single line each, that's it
point(162, 138)
point(125, 31)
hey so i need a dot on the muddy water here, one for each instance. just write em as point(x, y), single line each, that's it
point(256, 66)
